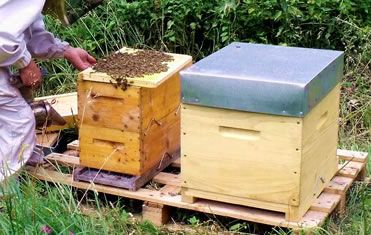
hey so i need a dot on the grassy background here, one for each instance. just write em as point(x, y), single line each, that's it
point(199, 28)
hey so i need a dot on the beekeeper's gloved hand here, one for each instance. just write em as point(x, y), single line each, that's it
point(79, 58)
point(31, 75)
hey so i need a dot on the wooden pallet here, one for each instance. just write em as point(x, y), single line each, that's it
point(157, 203)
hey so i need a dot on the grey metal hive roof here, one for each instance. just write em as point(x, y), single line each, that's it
point(259, 78)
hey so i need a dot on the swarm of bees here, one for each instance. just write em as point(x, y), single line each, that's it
point(122, 83)
point(122, 66)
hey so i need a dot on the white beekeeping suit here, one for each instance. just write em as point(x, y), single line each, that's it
point(22, 36)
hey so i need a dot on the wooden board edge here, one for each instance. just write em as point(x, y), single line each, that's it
point(349, 155)
point(56, 96)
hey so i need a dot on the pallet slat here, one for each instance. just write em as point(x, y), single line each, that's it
point(168, 179)
point(63, 160)
point(47, 140)
point(350, 169)
point(339, 185)
point(326, 202)
point(171, 190)
point(74, 145)
point(349, 155)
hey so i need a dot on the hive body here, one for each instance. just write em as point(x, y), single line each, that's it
point(259, 159)
point(129, 131)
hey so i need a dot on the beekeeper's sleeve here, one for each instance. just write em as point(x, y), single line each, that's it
point(43, 44)
point(15, 18)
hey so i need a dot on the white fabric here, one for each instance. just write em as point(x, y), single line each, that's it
point(22, 36)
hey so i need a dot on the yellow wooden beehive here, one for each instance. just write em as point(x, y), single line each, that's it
point(129, 131)
point(259, 126)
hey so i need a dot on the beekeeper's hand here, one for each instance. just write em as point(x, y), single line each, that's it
point(31, 75)
point(79, 58)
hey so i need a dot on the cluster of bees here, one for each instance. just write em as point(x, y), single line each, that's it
point(122, 83)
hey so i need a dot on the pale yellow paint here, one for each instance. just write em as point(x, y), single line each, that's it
point(241, 154)
point(319, 159)
point(260, 160)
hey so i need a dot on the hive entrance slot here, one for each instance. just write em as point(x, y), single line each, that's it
point(322, 120)
point(239, 133)
point(94, 95)
point(115, 145)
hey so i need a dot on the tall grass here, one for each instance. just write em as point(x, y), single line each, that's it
point(32, 207)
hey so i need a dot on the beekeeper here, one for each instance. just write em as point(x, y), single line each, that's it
point(22, 39)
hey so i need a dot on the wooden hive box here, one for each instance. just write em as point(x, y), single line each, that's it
point(129, 131)
point(260, 126)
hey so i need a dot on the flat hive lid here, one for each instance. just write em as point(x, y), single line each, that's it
point(150, 81)
point(259, 78)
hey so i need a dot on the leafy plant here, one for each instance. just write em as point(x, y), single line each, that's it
point(194, 221)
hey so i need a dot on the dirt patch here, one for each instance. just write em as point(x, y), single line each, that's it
point(124, 65)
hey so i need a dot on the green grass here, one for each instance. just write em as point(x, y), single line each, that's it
point(32, 205)
point(29, 206)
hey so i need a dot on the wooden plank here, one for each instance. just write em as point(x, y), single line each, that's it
point(150, 81)
point(341, 209)
point(326, 202)
point(168, 179)
point(63, 160)
point(66, 106)
point(171, 190)
point(47, 139)
point(350, 169)
point(355, 156)
point(310, 219)
point(362, 175)
point(103, 105)
point(256, 203)
point(339, 185)
point(59, 97)
point(261, 152)
point(158, 214)
point(74, 145)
